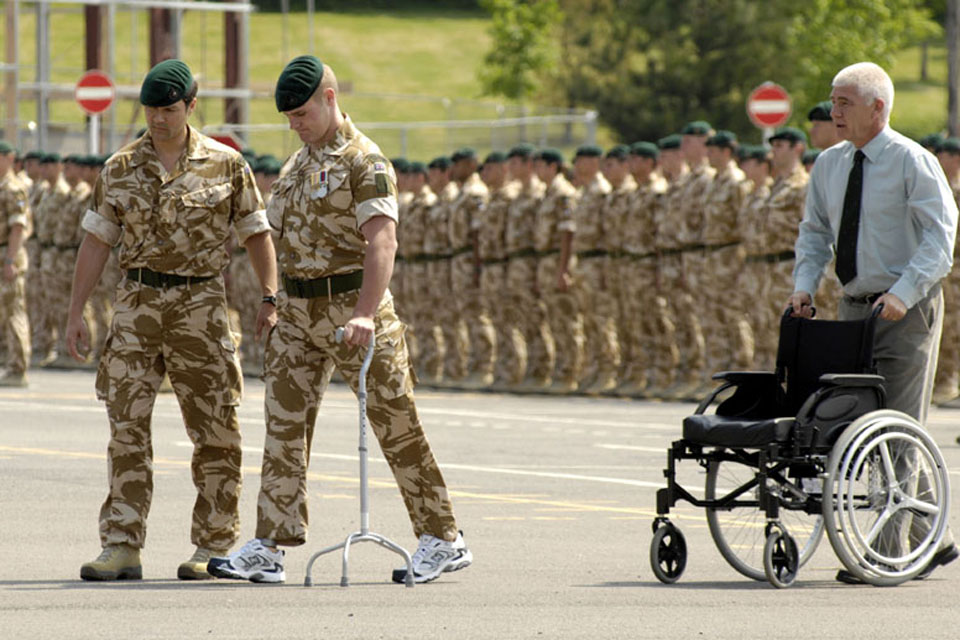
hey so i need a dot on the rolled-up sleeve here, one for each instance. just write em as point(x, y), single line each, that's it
point(249, 214)
point(374, 186)
point(102, 220)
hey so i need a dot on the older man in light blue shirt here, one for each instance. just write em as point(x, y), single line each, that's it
point(885, 204)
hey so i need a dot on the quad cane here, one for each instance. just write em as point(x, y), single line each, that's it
point(364, 535)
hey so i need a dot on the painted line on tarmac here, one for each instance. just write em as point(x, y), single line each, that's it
point(628, 447)
point(382, 484)
point(478, 468)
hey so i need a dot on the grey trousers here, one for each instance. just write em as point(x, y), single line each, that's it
point(906, 356)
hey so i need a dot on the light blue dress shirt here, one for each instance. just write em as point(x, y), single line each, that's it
point(908, 219)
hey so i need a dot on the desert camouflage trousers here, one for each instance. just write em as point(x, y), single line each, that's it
point(565, 323)
point(647, 343)
point(448, 354)
point(526, 315)
point(51, 305)
point(510, 345)
point(301, 355)
point(13, 319)
point(34, 289)
point(684, 315)
point(182, 331)
point(726, 329)
point(599, 310)
point(473, 312)
point(947, 378)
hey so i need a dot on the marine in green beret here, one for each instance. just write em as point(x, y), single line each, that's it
point(671, 141)
point(522, 150)
point(588, 151)
point(809, 157)
point(440, 162)
point(166, 83)
point(51, 158)
point(823, 133)
point(551, 156)
point(297, 82)
point(645, 150)
point(495, 157)
point(620, 152)
point(464, 153)
point(791, 134)
point(932, 141)
point(697, 128)
point(6, 147)
point(723, 139)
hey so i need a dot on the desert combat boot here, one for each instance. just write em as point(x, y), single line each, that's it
point(115, 562)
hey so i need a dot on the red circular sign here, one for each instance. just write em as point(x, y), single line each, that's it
point(769, 105)
point(94, 92)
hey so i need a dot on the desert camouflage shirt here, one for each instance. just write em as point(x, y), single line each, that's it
point(556, 214)
point(587, 223)
point(53, 205)
point(522, 216)
point(783, 211)
point(175, 222)
point(436, 235)
point(640, 227)
point(67, 233)
point(722, 203)
point(750, 219)
point(616, 213)
point(669, 220)
point(692, 203)
point(413, 225)
point(325, 197)
point(491, 229)
point(36, 191)
point(465, 210)
point(14, 206)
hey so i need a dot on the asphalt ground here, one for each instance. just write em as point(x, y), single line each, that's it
point(555, 497)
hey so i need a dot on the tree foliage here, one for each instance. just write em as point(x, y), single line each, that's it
point(648, 66)
point(523, 53)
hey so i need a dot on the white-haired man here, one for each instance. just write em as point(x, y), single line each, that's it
point(884, 203)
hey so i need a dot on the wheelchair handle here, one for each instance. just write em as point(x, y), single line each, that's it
point(788, 312)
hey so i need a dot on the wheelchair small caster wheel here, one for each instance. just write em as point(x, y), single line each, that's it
point(668, 553)
point(781, 560)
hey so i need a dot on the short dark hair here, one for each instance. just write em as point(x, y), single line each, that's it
point(191, 94)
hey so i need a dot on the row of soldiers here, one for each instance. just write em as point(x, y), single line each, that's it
point(48, 195)
point(641, 270)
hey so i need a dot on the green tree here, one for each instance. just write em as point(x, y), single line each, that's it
point(648, 66)
point(523, 50)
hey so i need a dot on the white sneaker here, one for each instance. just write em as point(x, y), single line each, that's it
point(253, 562)
point(435, 556)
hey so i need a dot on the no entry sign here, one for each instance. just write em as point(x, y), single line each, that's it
point(94, 92)
point(769, 106)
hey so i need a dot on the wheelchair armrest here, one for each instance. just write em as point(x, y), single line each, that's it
point(740, 377)
point(852, 380)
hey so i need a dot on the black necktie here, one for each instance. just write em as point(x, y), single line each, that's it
point(850, 222)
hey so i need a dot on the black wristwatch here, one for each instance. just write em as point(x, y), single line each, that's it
point(271, 299)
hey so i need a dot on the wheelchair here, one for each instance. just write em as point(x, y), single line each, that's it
point(806, 449)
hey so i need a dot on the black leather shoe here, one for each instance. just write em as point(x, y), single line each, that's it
point(939, 559)
point(846, 577)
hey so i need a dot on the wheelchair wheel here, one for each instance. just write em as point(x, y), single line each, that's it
point(887, 498)
point(668, 553)
point(740, 532)
point(781, 560)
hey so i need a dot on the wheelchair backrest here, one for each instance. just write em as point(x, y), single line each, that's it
point(809, 349)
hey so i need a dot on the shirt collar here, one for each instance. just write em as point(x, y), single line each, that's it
point(875, 147)
point(344, 136)
point(145, 151)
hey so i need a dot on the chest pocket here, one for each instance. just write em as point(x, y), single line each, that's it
point(338, 196)
point(208, 198)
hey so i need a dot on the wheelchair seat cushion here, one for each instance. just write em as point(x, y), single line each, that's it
point(736, 432)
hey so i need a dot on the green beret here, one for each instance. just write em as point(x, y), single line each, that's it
point(551, 156)
point(465, 153)
point(168, 82)
point(6, 147)
point(588, 151)
point(932, 141)
point(495, 157)
point(271, 166)
point(400, 164)
point(33, 155)
point(418, 167)
point(297, 82)
point(522, 150)
point(669, 142)
point(72, 158)
point(821, 112)
point(724, 139)
point(620, 152)
point(50, 158)
point(697, 128)
point(810, 155)
point(792, 134)
point(645, 150)
point(950, 145)
point(759, 152)
point(443, 162)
